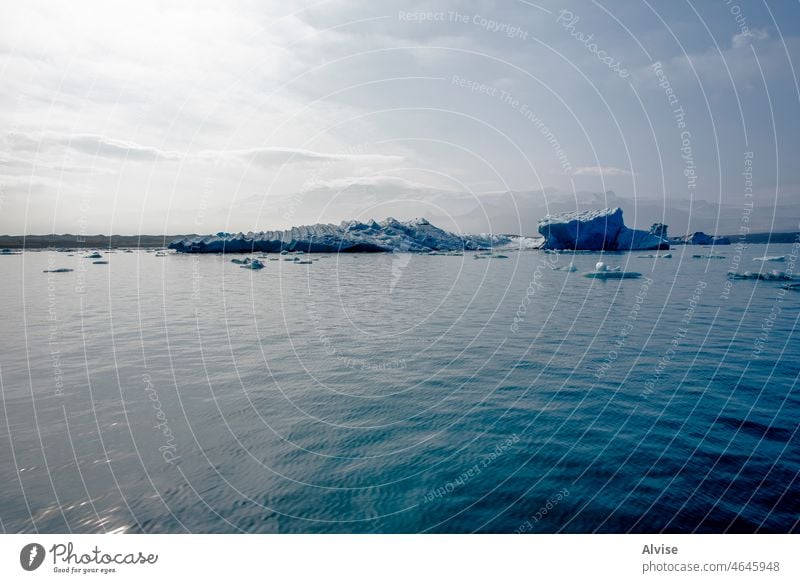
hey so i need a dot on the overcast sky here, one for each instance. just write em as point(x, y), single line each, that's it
point(178, 117)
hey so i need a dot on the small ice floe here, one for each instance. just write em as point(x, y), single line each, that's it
point(792, 286)
point(708, 256)
point(656, 256)
point(770, 258)
point(284, 252)
point(773, 275)
point(570, 268)
point(160, 254)
point(254, 264)
point(94, 255)
point(500, 256)
point(603, 271)
point(244, 261)
point(298, 262)
point(9, 252)
point(58, 270)
point(99, 262)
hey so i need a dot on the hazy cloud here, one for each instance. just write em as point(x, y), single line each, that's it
point(277, 156)
point(90, 144)
point(382, 182)
point(749, 36)
point(601, 171)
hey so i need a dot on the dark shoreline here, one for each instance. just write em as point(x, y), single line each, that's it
point(162, 241)
point(86, 241)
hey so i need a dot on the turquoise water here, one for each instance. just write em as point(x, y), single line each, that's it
point(395, 393)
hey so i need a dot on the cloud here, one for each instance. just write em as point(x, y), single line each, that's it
point(748, 36)
point(91, 144)
point(10, 165)
point(278, 156)
point(111, 148)
point(107, 147)
point(376, 181)
point(601, 171)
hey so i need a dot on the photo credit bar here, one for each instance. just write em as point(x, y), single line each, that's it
point(401, 558)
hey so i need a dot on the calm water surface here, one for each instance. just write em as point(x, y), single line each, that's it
point(395, 393)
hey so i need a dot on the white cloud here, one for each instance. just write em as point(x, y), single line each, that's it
point(107, 147)
point(749, 36)
point(90, 144)
point(11, 165)
point(601, 171)
point(279, 156)
point(376, 181)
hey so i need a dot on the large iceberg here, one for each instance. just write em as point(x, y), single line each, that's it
point(598, 230)
point(390, 235)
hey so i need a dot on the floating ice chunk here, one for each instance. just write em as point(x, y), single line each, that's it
point(774, 275)
point(613, 274)
point(603, 271)
point(700, 238)
point(772, 258)
point(254, 264)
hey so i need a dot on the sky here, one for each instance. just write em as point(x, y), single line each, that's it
point(199, 117)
